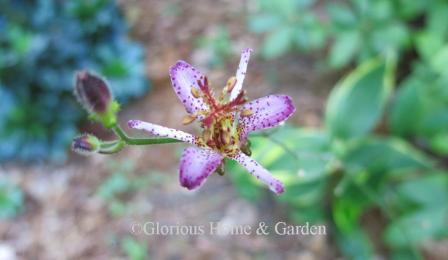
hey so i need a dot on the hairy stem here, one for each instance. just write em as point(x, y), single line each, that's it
point(141, 141)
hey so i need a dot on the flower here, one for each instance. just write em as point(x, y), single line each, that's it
point(86, 144)
point(225, 120)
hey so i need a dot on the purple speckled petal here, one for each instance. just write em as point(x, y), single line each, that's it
point(162, 131)
point(241, 73)
point(196, 165)
point(183, 78)
point(267, 111)
point(259, 172)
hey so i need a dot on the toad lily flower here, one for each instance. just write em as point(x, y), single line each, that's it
point(226, 121)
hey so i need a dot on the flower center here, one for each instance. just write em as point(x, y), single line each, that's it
point(219, 122)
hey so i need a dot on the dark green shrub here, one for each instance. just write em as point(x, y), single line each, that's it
point(42, 43)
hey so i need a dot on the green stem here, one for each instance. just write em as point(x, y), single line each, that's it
point(111, 147)
point(141, 141)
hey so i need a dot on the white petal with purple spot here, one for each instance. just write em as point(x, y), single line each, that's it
point(162, 131)
point(267, 112)
point(241, 73)
point(259, 172)
point(183, 78)
point(196, 165)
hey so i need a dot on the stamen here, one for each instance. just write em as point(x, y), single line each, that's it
point(195, 92)
point(188, 119)
point(208, 135)
point(207, 93)
point(225, 137)
point(239, 100)
point(247, 112)
point(231, 82)
point(220, 170)
point(246, 149)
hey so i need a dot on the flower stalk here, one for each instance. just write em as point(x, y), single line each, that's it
point(140, 141)
point(115, 146)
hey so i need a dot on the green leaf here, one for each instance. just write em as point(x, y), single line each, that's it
point(395, 36)
point(428, 43)
point(344, 48)
point(380, 11)
point(341, 15)
point(311, 37)
point(115, 184)
point(347, 210)
point(263, 23)
point(439, 143)
point(298, 157)
point(311, 214)
point(405, 253)
point(410, 9)
point(305, 153)
point(355, 105)
point(407, 102)
point(134, 249)
point(420, 108)
point(355, 244)
point(439, 60)
point(437, 20)
point(430, 190)
point(11, 199)
point(277, 42)
point(379, 155)
point(417, 227)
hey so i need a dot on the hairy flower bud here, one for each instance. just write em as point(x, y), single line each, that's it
point(86, 144)
point(92, 92)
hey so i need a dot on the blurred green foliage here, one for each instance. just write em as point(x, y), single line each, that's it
point(375, 152)
point(11, 199)
point(356, 30)
point(381, 148)
point(117, 188)
point(42, 43)
point(219, 45)
point(133, 249)
point(288, 25)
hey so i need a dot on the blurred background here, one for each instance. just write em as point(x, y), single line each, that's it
point(366, 153)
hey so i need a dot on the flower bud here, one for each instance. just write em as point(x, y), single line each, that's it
point(86, 144)
point(92, 92)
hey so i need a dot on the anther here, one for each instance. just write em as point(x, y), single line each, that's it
point(225, 137)
point(195, 92)
point(220, 170)
point(231, 82)
point(188, 119)
point(247, 112)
